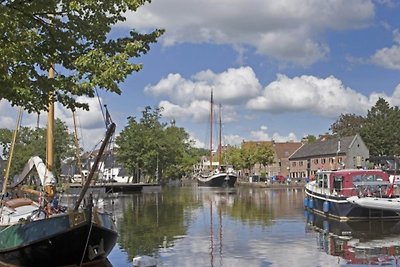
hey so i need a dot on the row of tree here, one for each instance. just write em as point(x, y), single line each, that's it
point(147, 147)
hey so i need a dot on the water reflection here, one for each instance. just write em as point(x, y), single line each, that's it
point(201, 226)
point(369, 243)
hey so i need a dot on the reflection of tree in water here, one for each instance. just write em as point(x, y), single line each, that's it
point(148, 219)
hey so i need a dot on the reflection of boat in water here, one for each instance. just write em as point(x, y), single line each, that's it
point(353, 195)
point(374, 242)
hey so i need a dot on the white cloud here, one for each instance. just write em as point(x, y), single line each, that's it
point(327, 97)
point(233, 139)
point(190, 99)
point(197, 142)
point(260, 135)
point(389, 57)
point(229, 87)
point(287, 30)
point(279, 138)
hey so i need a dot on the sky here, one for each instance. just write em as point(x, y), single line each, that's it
point(280, 70)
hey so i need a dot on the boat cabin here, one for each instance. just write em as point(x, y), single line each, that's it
point(354, 182)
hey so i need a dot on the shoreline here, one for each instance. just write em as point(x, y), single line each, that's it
point(271, 185)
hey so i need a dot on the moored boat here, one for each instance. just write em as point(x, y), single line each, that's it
point(352, 194)
point(45, 233)
point(223, 176)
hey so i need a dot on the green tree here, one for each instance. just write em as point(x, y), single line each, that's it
point(249, 157)
point(31, 142)
point(147, 144)
point(264, 154)
point(75, 37)
point(176, 147)
point(381, 129)
point(310, 138)
point(348, 125)
point(234, 157)
point(191, 157)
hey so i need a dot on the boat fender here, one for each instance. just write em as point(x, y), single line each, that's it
point(305, 202)
point(311, 203)
point(326, 206)
point(310, 218)
point(326, 227)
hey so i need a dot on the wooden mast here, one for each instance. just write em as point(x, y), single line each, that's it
point(211, 128)
point(220, 137)
point(50, 125)
point(50, 189)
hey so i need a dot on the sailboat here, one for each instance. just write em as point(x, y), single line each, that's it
point(42, 232)
point(224, 175)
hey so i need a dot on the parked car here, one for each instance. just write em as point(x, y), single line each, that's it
point(280, 179)
point(254, 178)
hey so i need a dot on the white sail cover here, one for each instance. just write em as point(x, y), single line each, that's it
point(46, 177)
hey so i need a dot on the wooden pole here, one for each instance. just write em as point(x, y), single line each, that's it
point(211, 128)
point(109, 133)
point(7, 174)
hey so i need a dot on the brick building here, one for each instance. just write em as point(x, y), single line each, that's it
point(328, 154)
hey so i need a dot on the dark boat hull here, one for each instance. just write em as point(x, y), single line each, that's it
point(66, 240)
point(218, 180)
point(339, 208)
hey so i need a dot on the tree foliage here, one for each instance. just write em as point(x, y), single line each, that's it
point(147, 144)
point(348, 125)
point(31, 142)
point(381, 130)
point(72, 35)
point(247, 156)
point(310, 138)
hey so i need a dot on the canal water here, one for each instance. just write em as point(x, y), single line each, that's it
point(244, 226)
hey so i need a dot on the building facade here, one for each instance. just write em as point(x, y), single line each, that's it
point(328, 154)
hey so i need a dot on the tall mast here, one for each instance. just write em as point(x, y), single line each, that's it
point(211, 127)
point(49, 189)
point(50, 125)
point(220, 137)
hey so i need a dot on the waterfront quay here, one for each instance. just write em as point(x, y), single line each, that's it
point(275, 185)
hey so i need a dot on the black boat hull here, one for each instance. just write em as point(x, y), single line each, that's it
point(66, 240)
point(218, 180)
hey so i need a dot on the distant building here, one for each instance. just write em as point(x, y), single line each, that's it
point(329, 154)
point(108, 169)
point(282, 152)
point(204, 165)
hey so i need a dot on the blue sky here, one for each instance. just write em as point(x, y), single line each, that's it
point(280, 69)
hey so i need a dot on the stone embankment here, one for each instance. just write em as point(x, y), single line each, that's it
point(271, 185)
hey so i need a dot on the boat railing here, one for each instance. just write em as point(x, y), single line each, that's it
point(364, 188)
